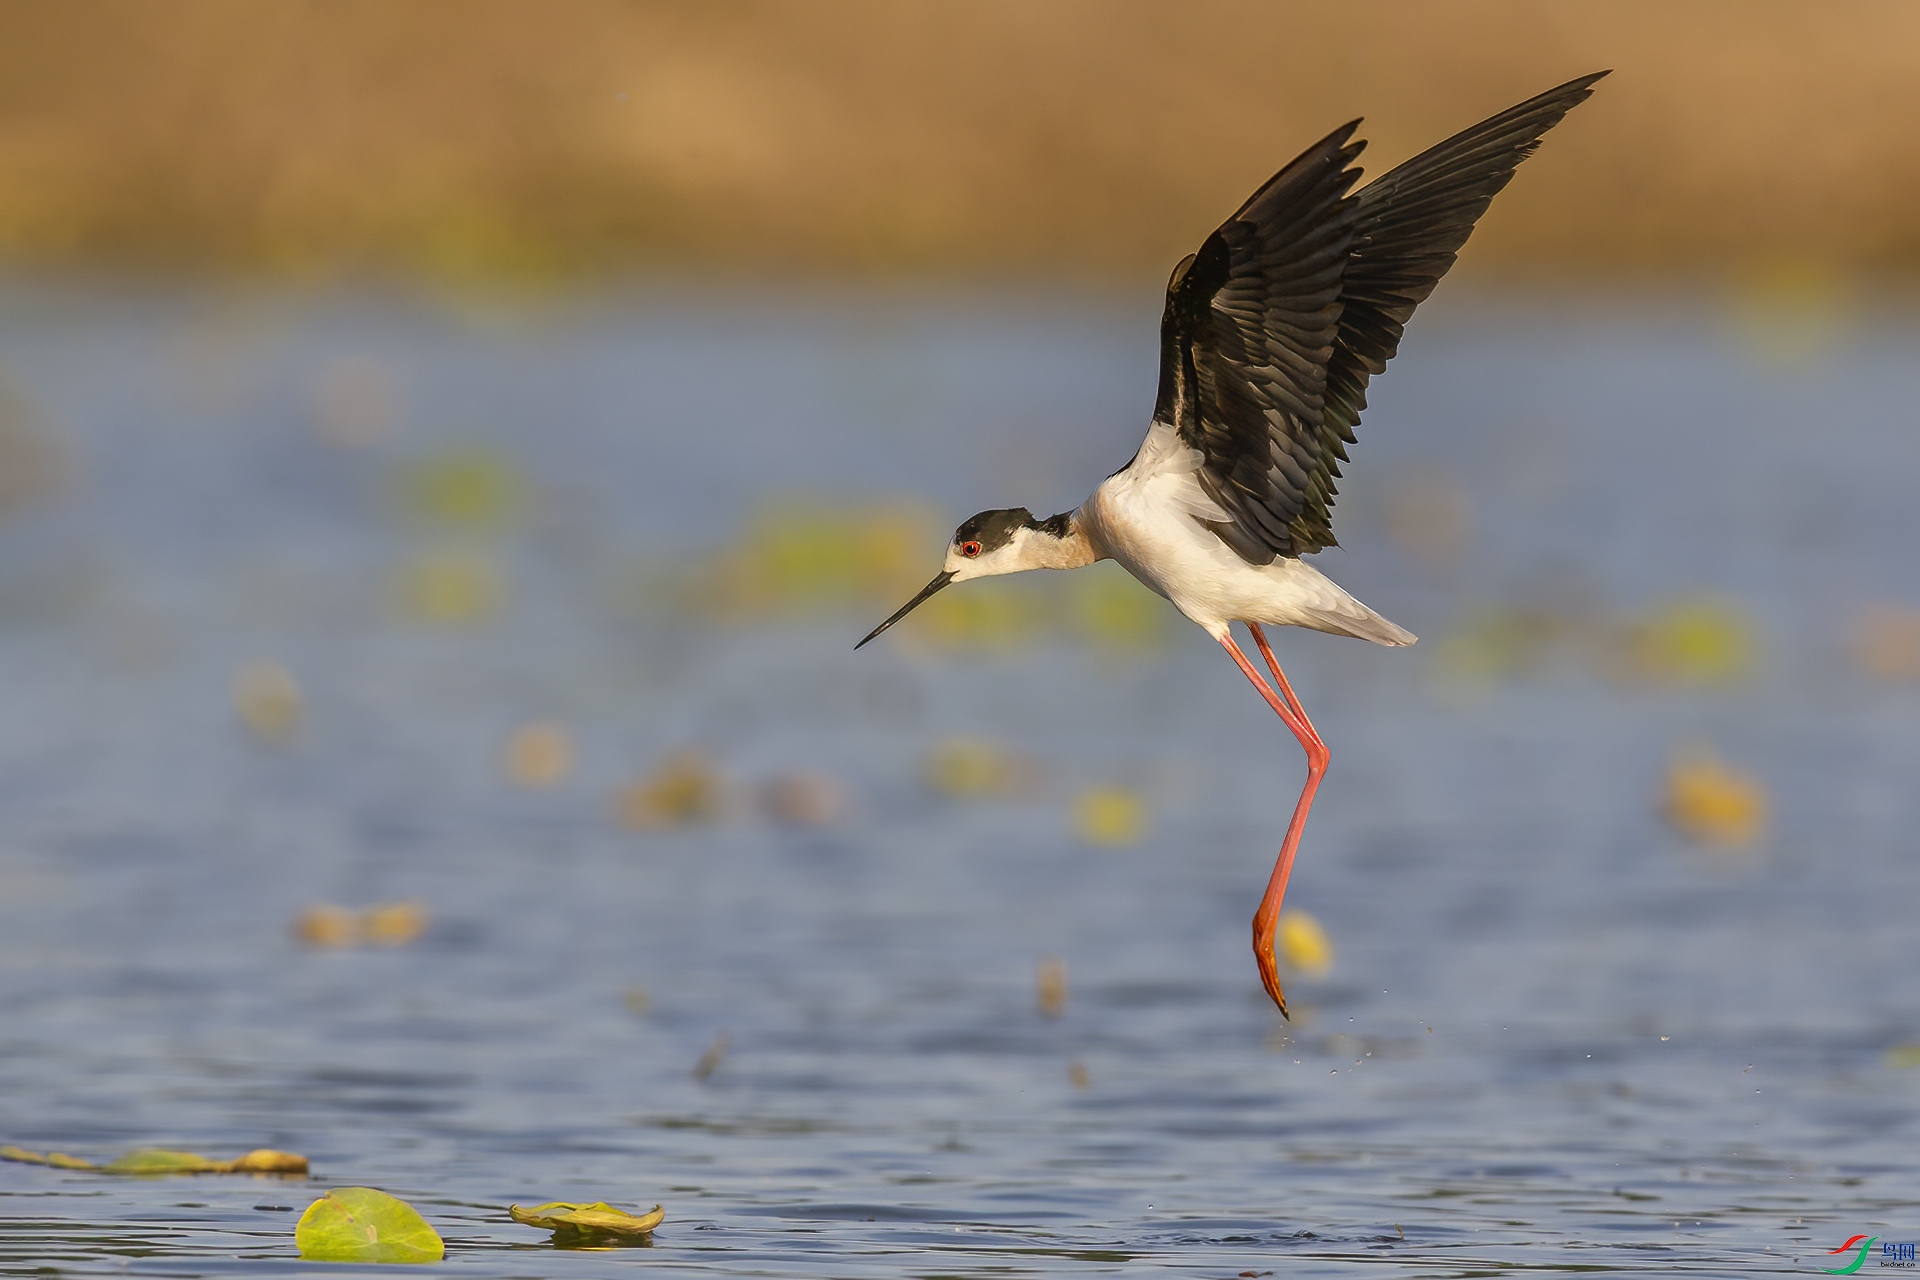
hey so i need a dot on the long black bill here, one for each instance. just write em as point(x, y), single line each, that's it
point(910, 605)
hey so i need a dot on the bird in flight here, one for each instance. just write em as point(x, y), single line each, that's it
point(1270, 334)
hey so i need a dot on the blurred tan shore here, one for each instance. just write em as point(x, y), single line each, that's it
point(486, 138)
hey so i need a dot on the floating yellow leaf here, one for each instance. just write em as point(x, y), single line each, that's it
point(683, 790)
point(1077, 1074)
point(359, 1224)
point(599, 1221)
point(804, 799)
point(58, 1159)
point(1492, 644)
point(268, 701)
point(971, 767)
point(467, 489)
point(1304, 945)
point(326, 925)
point(1109, 817)
point(1050, 985)
point(1712, 804)
point(267, 1160)
point(1903, 1056)
point(393, 924)
point(153, 1161)
point(1688, 642)
point(797, 556)
point(158, 1160)
point(983, 615)
point(538, 754)
point(385, 924)
point(449, 587)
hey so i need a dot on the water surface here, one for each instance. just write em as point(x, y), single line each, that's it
point(1555, 1037)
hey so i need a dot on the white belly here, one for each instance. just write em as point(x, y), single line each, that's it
point(1147, 526)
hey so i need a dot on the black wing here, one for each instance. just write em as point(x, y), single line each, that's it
point(1273, 329)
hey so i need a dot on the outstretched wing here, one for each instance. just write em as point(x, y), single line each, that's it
point(1245, 339)
point(1273, 329)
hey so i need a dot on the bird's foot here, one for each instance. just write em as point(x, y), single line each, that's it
point(1269, 970)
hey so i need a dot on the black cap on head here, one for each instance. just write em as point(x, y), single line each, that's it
point(993, 529)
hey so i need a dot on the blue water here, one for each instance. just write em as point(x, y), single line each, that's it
point(1555, 1036)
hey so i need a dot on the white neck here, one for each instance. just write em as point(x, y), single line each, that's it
point(1040, 549)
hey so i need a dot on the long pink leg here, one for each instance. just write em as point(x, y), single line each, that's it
point(1267, 918)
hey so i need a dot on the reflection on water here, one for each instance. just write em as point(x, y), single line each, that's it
point(522, 651)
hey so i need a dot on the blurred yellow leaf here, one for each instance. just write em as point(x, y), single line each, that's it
point(393, 924)
point(1493, 644)
point(971, 767)
point(538, 754)
point(683, 790)
point(1903, 1056)
point(1688, 642)
point(1109, 817)
point(384, 924)
point(268, 701)
point(985, 615)
point(571, 1222)
point(799, 556)
point(804, 799)
point(448, 587)
point(1050, 986)
point(463, 489)
point(325, 925)
point(1711, 804)
point(1303, 944)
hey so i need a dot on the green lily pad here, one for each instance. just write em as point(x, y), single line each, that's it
point(157, 1160)
point(597, 1221)
point(359, 1224)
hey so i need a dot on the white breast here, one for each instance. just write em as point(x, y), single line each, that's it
point(1149, 519)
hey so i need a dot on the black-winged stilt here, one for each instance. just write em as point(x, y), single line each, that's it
point(1269, 336)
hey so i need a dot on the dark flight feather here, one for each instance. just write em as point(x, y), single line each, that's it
point(1273, 329)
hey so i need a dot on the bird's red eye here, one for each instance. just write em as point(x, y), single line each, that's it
point(969, 549)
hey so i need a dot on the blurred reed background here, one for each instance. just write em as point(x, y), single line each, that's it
point(488, 138)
